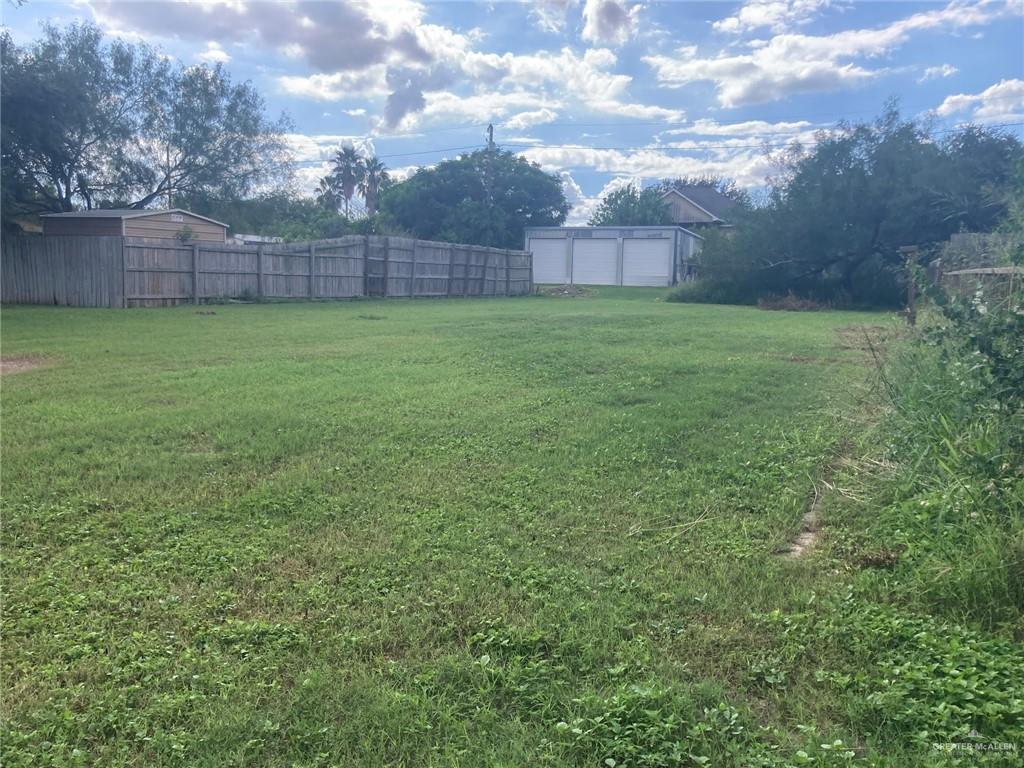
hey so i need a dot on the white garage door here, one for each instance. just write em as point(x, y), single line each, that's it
point(550, 263)
point(594, 261)
point(647, 262)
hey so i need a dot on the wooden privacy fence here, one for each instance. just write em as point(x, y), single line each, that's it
point(133, 272)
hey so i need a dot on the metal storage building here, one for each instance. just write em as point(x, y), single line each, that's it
point(612, 255)
point(130, 222)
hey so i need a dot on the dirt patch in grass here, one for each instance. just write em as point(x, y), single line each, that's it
point(810, 524)
point(21, 364)
point(566, 291)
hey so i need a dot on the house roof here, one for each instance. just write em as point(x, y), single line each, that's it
point(125, 213)
point(708, 199)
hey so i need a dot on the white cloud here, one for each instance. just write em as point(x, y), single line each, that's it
point(213, 54)
point(589, 79)
point(747, 129)
point(315, 148)
point(748, 168)
point(524, 120)
point(609, 21)
point(582, 206)
point(777, 15)
point(550, 15)
point(370, 82)
point(936, 73)
point(1002, 102)
point(789, 64)
point(491, 106)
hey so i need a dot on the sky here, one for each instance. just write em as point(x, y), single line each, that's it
point(602, 93)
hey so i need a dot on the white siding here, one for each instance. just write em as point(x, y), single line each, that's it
point(550, 260)
point(595, 261)
point(647, 261)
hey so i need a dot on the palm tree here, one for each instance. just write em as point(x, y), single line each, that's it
point(375, 178)
point(327, 194)
point(349, 172)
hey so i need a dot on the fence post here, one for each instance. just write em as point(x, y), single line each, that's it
point(259, 271)
point(312, 271)
point(412, 279)
point(451, 268)
point(387, 256)
point(529, 288)
point(124, 274)
point(195, 273)
point(508, 272)
point(487, 265)
point(465, 274)
point(366, 265)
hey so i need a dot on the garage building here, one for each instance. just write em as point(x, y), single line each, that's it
point(612, 255)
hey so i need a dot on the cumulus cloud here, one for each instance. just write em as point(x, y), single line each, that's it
point(789, 64)
point(1002, 102)
point(936, 73)
point(581, 206)
point(369, 82)
point(213, 54)
point(747, 167)
point(447, 106)
point(528, 119)
point(777, 15)
point(609, 21)
point(354, 48)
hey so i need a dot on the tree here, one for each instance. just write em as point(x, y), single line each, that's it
point(92, 124)
point(837, 216)
point(375, 178)
point(632, 207)
point(327, 195)
point(487, 197)
point(349, 173)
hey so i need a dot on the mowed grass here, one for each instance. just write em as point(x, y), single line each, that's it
point(414, 533)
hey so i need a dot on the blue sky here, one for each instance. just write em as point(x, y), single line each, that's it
point(601, 92)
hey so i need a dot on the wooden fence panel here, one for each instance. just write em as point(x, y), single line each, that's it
point(66, 270)
point(138, 272)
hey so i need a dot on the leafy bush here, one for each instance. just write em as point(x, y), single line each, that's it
point(911, 679)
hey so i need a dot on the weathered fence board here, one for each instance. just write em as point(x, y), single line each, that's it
point(79, 271)
point(116, 271)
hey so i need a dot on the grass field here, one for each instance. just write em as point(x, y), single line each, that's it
point(517, 532)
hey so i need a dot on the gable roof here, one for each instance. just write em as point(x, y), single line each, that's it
point(126, 213)
point(708, 199)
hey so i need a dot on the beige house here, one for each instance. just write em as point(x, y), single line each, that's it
point(698, 206)
point(128, 222)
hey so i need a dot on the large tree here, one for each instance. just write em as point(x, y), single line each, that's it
point(89, 123)
point(839, 215)
point(631, 206)
point(487, 197)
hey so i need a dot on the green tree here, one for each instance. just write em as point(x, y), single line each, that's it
point(375, 178)
point(633, 207)
point(93, 124)
point(487, 197)
point(349, 173)
point(837, 216)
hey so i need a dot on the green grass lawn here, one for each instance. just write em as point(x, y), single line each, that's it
point(503, 532)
